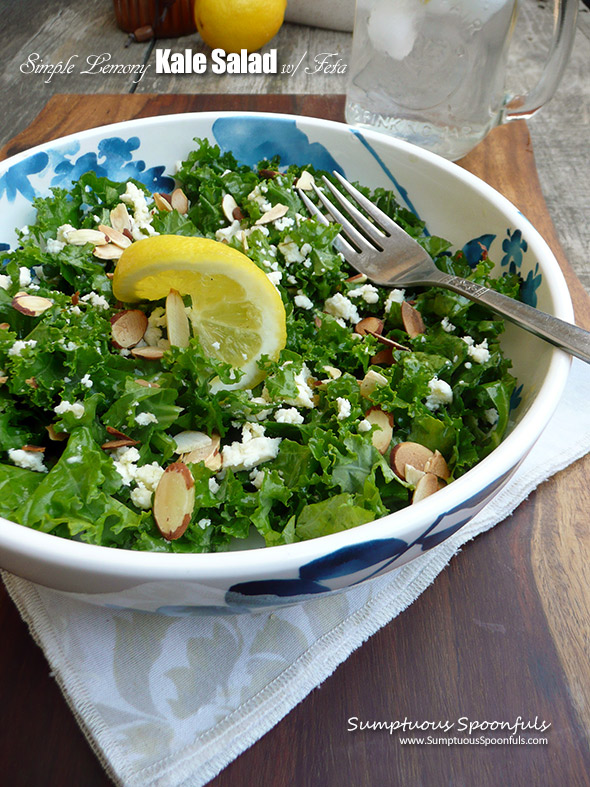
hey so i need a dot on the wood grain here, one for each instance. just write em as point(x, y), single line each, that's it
point(502, 633)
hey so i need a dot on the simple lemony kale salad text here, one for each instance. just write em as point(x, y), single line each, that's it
point(161, 391)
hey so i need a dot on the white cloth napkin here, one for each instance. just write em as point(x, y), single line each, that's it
point(171, 701)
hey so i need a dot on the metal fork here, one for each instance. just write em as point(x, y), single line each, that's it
point(388, 256)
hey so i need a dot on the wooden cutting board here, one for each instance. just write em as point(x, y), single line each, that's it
point(503, 632)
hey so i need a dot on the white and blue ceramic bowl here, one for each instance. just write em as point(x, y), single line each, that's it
point(454, 204)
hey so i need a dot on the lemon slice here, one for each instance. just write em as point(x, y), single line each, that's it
point(237, 312)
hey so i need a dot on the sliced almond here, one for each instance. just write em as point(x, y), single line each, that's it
point(128, 328)
point(32, 382)
point(437, 466)
point(179, 201)
point(147, 384)
point(370, 381)
point(276, 212)
point(34, 449)
point(199, 447)
point(148, 353)
point(4, 326)
point(228, 206)
point(108, 252)
point(120, 219)
point(413, 475)
point(305, 181)
point(381, 437)
point(383, 357)
point(369, 325)
point(75, 298)
point(177, 320)
point(409, 453)
point(426, 486)
point(110, 275)
point(174, 500)
point(269, 174)
point(82, 237)
point(114, 236)
point(31, 305)
point(118, 434)
point(123, 442)
point(56, 436)
point(358, 278)
point(412, 320)
point(3, 379)
point(162, 203)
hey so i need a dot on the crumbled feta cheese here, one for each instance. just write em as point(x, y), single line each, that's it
point(364, 426)
point(468, 364)
point(213, 486)
point(344, 408)
point(306, 249)
point(254, 449)
point(367, 292)
point(96, 300)
point(256, 196)
point(28, 460)
point(62, 233)
point(24, 276)
point(440, 393)
point(395, 296)
point(491, 416)
point(303, 301)
point(5, 281)
point(284, 223)
point(216, 345)
point(479, 352)
point(288, 415)
point(53, 246)
point(149, 475)
point(25, 230)
point(143, 419)
point(20, 344)
point(76, 408)
point(227, 233)
point(141, 220)
point(340, 306)
point(141, 497)
point(275, 277)
point(86, 381)
point(204, 523)
point(290, 251)
point(447, 325)
point(304, 396)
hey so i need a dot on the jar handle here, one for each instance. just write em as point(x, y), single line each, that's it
point(564, 28)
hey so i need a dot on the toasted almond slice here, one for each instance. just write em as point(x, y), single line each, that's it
point(208, 453)
point(372, 325)
point(177, 320)
point(179, 201)
point(82, 237)
point(391, 343)
point(4, 326)
point(381, 437)
point(426, 486)
point(110, 275)
point(118, 434)
point(128, 328)
point(75, 298)
point(162, 203)
point(148, 353)
point(114, 236)
point(34, 449)
point(269, 174)
point(32, 382)
point(146, 383)
point(120, 219)
point(409, 453)
point(109, 252)
point(370, 381)
point(358, 278)
point(31, 305)
point(437, 466)
point(123, 442)
point(305, 181)
point(3, 379)
point(412, 320)
point(276, 212)
point(228, 205)
point(174, 500)
point(188, 441)
point(383, 358)
point(56, 436)
point(413, 475)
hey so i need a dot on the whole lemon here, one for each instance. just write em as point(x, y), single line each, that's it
point(238, 24)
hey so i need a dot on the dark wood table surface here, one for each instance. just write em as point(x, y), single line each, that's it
point(503, 632)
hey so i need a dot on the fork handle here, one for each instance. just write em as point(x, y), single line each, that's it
point(565, 335)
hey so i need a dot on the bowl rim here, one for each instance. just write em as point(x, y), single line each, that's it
point(114, 562)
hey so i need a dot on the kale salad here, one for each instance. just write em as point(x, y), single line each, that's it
point(374, 390)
